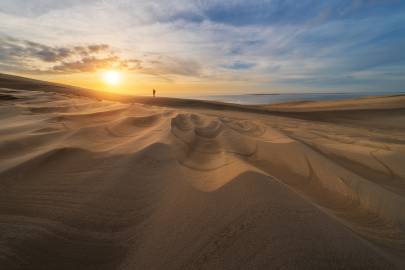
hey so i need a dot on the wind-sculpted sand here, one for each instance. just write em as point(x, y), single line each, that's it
point(97, 184)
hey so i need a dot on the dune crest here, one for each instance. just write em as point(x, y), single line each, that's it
point(97, 184)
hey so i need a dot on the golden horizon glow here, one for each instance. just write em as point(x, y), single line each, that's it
point(112, 77)
point(140, 84)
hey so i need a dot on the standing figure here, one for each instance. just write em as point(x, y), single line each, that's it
point(154, 92)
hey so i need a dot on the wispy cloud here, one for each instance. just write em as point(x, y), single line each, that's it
point(240, 65)
point(271, 42)
point(18, 53)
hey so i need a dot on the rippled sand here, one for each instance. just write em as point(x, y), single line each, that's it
point(98, 184)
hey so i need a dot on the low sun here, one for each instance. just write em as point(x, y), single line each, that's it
point(112, 77)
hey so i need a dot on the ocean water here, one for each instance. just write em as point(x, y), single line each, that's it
point(260, 99)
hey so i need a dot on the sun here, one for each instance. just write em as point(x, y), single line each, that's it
point(112, 77)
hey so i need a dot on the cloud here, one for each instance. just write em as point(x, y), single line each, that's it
point(19, 53)
point(171, 65)
point(24, 55)
point(250, 13)
point(240, 65)
point(22, 49)
point(271, 42)
point(36, 8)
point(90, 64)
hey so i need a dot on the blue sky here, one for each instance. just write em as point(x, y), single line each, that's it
point(243, 46)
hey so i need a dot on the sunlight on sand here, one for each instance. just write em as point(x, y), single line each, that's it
point(92, 183)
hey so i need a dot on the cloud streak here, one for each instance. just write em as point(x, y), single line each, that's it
point(270, 43)
point(16, 54)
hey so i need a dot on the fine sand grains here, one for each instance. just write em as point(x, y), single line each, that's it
point(97, 184)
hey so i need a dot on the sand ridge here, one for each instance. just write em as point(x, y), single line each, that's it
point(99, 184)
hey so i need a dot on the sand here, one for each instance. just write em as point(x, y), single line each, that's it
point(92, 183)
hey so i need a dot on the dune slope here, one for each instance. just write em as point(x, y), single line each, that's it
point(98, 184)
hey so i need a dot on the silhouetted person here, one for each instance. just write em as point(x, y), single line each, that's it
point(154, 92)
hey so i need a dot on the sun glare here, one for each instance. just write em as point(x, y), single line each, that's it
point(112, 77)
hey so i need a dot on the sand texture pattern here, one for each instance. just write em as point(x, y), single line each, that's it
point(98, 184)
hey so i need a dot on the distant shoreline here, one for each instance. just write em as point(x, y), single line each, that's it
point(22, 83)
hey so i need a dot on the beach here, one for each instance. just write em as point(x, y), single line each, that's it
point(92, 181)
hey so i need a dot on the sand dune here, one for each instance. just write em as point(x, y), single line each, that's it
point(167, 184)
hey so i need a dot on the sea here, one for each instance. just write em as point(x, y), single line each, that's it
point(261, 99)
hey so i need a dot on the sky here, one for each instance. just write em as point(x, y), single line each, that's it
point(208, 47)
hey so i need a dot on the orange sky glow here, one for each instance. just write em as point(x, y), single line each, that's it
point(191, 48)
